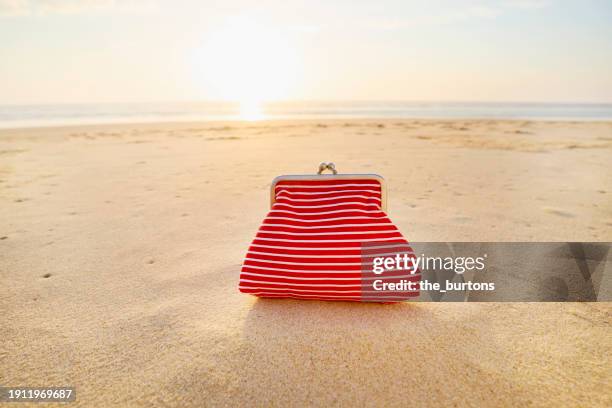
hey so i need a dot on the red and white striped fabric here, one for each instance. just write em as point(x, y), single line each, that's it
point(311, 243)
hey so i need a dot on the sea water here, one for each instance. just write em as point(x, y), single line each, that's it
point(73, 114)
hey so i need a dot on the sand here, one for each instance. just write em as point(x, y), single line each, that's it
point(120, 248)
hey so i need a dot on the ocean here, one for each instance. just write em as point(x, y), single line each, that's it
point(12, 116)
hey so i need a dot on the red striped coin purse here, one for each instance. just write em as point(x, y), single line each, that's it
point(320, 238)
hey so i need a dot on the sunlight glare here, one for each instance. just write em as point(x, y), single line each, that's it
point(251, 110)
point(249, 63)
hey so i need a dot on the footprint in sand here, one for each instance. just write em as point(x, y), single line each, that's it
point(46, 275)
point(223, 138)
point(558, 211)
point(461, 219)
point(3, 238)
point(219, 129)
point(151, 261)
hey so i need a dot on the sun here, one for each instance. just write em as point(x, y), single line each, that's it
point(247, 62)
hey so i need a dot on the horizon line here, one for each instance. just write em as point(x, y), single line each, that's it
point(314, 101)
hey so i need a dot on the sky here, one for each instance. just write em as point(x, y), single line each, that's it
point(93, 51)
